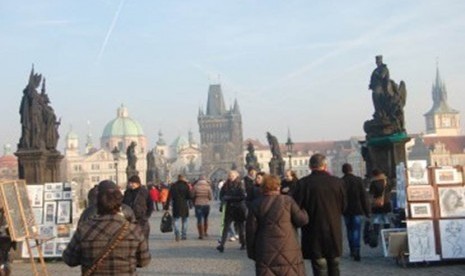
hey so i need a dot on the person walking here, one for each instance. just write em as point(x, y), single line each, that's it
point(233, 195)
point(271, 231)
point(289, 182)
point(322, 196)
point(137, 197)
point(155, 196)
point(357, 207)
point(108, 244)
point(179, 195)
point(202, 195)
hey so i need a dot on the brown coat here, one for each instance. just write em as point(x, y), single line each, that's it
point(271, 235)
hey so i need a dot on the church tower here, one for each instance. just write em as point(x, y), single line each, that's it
point(220, 136)
point(441, 120)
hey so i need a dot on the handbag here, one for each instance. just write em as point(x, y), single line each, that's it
point(107, 250)
point(166, 224)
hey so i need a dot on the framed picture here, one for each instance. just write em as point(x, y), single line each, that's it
point(53, 195)
point(391, 246)
point(420, 193)
point(451, 201)
point(25, 252)
point(47, 230)
point(48, 248)
point(64, 231)
point(452, 238)
point(66, 186)
point(48, 187)
point(417, 172)
point(36, 195)
point(421, 241)
point(400, 186)
point(67, 195)
point(64, 212)
point(38, 215)
point(447, 175)
point(60, 247)
point(49, 212)
point(57, 187)
point(420, 210)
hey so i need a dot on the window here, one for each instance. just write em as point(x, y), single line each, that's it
point(95, 167)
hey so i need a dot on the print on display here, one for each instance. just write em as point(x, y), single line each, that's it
point(417, 172)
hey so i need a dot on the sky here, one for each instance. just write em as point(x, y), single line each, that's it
point(302, 66)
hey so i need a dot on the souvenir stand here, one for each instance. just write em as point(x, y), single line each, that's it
point(20, 219)
point(435, 213)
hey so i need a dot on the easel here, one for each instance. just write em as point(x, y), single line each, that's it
point(21, 228)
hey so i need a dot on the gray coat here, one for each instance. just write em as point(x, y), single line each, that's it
point(271, 235)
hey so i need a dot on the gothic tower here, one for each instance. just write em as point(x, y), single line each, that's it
point(220, 136)
point(441, 120)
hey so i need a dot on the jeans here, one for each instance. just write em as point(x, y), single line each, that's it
point(381, 218)
point(201, 213)
point(183, 233)
point(354, 230)
point(325, 267)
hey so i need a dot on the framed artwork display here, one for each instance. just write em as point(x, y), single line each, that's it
point(420, 210)
point(420, 193)
point(451, 201)
point(64, 212)
point(400, 186)
point(452, 238)
point(447, 175)
point(421, 241)
point(417, 172)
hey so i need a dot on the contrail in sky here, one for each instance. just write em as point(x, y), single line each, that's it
point(110, 30)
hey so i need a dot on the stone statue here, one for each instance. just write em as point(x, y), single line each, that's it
point(251, 158)
point(151, 170)
point(39, 127)
point(132, 159)
point(388, 100)
point(276, 163)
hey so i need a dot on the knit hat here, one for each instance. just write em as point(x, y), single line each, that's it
point(106, 185)
point(134, 179)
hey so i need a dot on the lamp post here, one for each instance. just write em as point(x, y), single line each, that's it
point(289, 145)
point(115, 152)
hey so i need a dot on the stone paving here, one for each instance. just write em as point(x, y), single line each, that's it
point(199, 257)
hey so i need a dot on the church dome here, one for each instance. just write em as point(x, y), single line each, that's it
point(123, 125)
point(180, 143)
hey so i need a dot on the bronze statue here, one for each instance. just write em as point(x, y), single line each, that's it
point(151, 169)
point(276, 163)
point(131, 155)
point(388, 100)
point(50, 122)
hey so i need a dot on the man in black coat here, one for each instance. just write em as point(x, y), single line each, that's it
point(137, 197)
point(323, 197)
point(357, 207)
point(179, 194)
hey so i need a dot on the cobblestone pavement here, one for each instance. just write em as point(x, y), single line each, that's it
point(199, 257)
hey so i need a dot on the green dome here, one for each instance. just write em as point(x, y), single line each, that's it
point(123, 125)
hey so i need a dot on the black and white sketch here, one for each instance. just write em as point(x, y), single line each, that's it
point(64, 212)
point(53, 196)
point(49, 187)
point(60, 247)
point(451, 201)
point(49, 212)
point(420, 210)
point(48, 248)
point(36, 195)
point(452, 238)
point(47, 230)
point(421, 241)
point(67, 195)
point(417, 172)
point(57, 187)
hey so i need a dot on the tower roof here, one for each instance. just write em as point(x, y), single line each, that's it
point(215, 104)
point(123, 125)
point(439, 94)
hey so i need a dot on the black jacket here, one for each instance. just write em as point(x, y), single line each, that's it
point(357, 197)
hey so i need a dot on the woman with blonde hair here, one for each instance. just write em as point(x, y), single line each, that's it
point(271, 231)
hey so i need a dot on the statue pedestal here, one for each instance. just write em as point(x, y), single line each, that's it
point(384, 153)
point(39, 166)
point(276, 166)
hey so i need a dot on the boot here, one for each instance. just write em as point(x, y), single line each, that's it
point(356, 254)
point(205, 229)
point(200, 229)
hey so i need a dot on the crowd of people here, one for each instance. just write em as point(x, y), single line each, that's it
point(263, 210)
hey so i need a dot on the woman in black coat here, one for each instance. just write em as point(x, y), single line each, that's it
point(271, 232)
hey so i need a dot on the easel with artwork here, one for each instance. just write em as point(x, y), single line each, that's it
point(435, 212)
point(20, 219)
